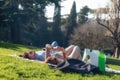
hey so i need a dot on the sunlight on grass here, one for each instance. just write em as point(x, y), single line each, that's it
point(12, 68)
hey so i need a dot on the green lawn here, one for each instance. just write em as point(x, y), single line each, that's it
point(12, 68)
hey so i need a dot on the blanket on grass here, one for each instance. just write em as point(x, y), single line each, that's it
point(74, 65)
point(14, 55)
point(70, 65)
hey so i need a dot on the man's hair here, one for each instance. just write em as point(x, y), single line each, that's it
point(52, 60)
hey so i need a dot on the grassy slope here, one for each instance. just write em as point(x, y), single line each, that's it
point(12, 68)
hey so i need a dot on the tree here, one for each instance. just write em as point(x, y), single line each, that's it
point(36, 25)
point(83, 15)
point(56, 31)
point(13, 16)
point(111, 22)
point(23, 18)
point(90, 35)
point(71, 23)
point(4, 33)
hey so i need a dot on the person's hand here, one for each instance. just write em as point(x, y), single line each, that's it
point(48, 46)
point(58, 48)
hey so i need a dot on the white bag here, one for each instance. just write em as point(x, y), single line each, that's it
point(95, 57)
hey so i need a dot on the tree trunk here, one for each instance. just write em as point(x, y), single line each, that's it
point(15, 32)
point(117, 52)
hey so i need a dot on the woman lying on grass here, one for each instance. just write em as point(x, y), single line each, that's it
point(54, 55)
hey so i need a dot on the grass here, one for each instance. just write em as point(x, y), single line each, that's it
point(113, 61)
point(12, 68)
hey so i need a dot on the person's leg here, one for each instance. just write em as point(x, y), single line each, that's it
point(69, 49)
point(75, 53)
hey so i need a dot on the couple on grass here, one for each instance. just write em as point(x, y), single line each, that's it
point(54, 54)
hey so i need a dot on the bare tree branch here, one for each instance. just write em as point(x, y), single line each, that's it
point(106, 26)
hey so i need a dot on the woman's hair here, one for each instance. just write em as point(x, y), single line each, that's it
point(25, 55)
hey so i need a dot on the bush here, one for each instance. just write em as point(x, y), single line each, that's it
point(113, 61)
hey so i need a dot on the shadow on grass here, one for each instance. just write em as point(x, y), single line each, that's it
point(107, 74)
point(113, 61)
point(14, 46)
point(8, 46)
point(94, 73)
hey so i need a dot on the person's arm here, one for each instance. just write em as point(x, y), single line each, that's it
point(47, 59)
point(58, 48)
point(64, 54)
point(62, 50)
point(47, 53)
